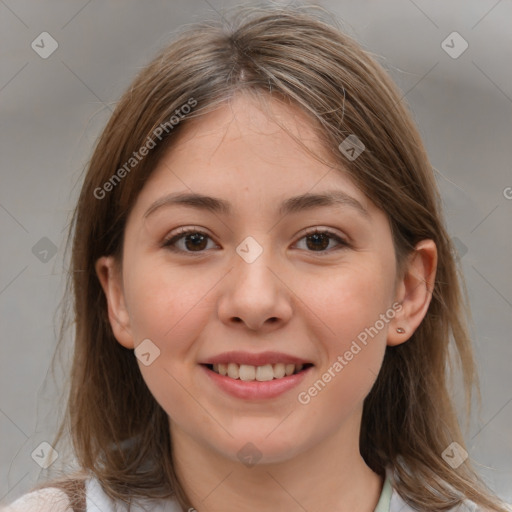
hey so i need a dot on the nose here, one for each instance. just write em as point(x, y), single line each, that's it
point(255, 295)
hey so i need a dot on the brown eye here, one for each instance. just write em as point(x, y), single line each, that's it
point(192, 241)
point(319, 241)
point(195, 241)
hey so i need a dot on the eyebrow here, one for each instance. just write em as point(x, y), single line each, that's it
point(294, 204)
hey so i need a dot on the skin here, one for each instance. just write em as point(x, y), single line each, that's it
point(294, 298)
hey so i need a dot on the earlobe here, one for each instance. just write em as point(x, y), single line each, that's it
point(414, 292)
point(110, 279)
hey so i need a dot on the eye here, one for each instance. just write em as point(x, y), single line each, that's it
point(196, 241)
point(319, 240)
point(193, 241)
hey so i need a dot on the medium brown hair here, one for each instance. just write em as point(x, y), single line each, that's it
point(118, 430)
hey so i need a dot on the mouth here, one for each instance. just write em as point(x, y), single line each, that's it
point(262, 373)
point(255, 376)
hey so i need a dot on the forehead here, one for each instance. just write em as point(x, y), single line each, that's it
point(248, 145)
point(256, 113)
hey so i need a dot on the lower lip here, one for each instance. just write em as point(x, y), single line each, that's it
point(255, 390)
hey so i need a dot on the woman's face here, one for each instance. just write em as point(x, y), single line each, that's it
point(254, 287)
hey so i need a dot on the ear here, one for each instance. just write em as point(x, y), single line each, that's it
point(414, 292)
point(109, 275)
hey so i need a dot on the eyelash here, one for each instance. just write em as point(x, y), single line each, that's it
point(168, 243)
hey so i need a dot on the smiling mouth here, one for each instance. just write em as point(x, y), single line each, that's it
point(248, 373)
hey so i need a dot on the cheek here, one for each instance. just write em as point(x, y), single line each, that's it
point(166, 305)
point(355, 311)
point(170, 309)
point(351, 299)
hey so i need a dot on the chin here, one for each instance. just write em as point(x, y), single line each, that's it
point(252, 447)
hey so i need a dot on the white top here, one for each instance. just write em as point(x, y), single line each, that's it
point(56, 500)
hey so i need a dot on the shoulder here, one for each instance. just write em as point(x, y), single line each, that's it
point(98, 501)
point(397, 504)
point(52, 499)
point(49, 499)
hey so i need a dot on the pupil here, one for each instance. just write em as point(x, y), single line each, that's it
point(316, 237)
point(196, 237)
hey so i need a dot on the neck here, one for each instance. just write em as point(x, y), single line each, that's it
point(330, 475)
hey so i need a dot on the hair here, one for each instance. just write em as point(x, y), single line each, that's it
point(118, 431)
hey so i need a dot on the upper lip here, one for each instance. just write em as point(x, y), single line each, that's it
point(253, 359)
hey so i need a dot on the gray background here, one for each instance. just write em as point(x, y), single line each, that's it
point(53, 109)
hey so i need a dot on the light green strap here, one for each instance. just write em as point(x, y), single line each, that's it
point(385, 497)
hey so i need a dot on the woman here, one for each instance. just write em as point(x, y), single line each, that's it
point(265, 292)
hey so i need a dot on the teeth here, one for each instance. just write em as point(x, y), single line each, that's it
point(247, 372)
point(279, 371)
point(264, 373)
point(233, 371)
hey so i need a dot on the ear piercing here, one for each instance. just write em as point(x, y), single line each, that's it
point(400, 330)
